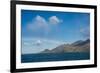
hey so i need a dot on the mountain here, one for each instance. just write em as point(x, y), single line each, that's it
point(46, 51)
point(78, 46)
point(81, 43)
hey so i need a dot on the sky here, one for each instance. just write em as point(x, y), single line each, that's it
point(48, 29)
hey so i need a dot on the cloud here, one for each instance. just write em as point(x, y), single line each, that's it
point(53, 41)
point(38, 42)
point(38, 23)
point(54, 20)
point(34, 42)
point(85, 32)
point(26, 43)
point(36, 45)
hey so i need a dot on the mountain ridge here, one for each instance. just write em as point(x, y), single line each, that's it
point(78, 46)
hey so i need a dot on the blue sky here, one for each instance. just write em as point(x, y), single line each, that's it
point(59, 27)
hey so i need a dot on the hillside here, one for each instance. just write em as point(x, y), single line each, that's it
point(78, 46)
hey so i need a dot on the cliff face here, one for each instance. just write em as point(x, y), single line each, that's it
point(78, 46)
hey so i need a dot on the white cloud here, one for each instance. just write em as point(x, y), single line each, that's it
point(38, 23)
point(85, 32)
point(36, 45)
point(38, 42)
point(32, 42)
point(54, 20)
point(26, 43)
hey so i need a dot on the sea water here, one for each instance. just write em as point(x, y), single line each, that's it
point(45, 57)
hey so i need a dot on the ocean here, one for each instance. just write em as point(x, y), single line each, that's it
point(45, 57)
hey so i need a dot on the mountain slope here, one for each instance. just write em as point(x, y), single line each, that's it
point(78, 46)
